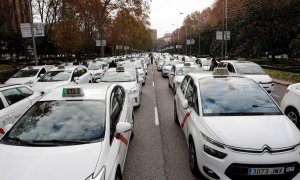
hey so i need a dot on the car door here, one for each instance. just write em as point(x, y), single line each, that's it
point(17, 105)
point(180, 97)
point(30, 94)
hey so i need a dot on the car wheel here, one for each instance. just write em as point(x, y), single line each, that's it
point(118, 175)
point(293, 115)
point(193, 159)
point(132, 132)
point(175, 114)
point(174, 89)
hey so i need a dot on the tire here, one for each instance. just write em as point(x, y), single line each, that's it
point(118, 175)
point(174, 89)
point(293, 115)
point(175, 114)
point(132, 132)
point(193, 159)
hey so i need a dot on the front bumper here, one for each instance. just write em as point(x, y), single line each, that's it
point(236, 164)
point(269, 87)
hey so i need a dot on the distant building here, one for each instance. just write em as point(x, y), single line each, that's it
point(12, 13)
point(154, 35)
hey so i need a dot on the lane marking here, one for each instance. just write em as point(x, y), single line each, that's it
point(153, 83)
point(156, 116)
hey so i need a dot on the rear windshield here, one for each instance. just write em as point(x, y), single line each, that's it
point(52, 76)
point(235, 96)
point(26, 73)
point(59, 123)
point(249, 69)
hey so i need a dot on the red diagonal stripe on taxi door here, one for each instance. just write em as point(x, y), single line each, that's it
point(185, 119)
point(122, 139)
point(2, 131)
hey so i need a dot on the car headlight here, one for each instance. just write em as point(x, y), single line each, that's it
point(29, 82)
point(99, 176)
point(213, 152)
point(211, 141)
point(133, 91)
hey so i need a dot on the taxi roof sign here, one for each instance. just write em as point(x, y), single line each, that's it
point(72, 92)
point(220, 72)
point(120, 69)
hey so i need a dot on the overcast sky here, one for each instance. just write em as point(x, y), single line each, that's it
point(164, 13)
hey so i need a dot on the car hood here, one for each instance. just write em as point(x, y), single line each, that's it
point(48, 86)
point(128, 85)
point(34, 163)
point(259, 78)
point(254, 131)
point(93, 72)
point(19, 80)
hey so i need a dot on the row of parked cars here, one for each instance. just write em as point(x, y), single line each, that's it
point(60, 120)
point(232, 126)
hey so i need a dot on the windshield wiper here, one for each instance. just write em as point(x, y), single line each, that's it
point(17, 140)
point(56, 141)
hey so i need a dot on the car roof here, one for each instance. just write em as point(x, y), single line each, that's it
point(65, 68)
point(7, 86)
point(238, 62)
point(95, 91)
point(204, 74)
point(182, 65)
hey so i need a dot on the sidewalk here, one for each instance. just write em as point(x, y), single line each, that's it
point(282, 82)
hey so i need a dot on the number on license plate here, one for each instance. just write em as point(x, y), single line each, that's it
point(265, 171)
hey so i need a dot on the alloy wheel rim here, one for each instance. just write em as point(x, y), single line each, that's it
point(293, 117)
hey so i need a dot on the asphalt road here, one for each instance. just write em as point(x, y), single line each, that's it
point(158, 149)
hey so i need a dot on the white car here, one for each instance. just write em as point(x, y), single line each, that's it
point(160, 64)
point(290, 104)
point(127, 78)
point(97, 68)
point(14, 101)
point(235, 130)
point(62, 137)
point(178, 72)
point(142, 75)
point(28, 75)
point(250, 70)
point(167, 65)
point(62, 75)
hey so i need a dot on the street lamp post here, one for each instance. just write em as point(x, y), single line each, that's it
point(186, 47)
point(32, 32)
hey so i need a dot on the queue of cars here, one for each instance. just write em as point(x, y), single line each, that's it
point(232, 126)
point(63, 121)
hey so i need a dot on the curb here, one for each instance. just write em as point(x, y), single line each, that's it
point(285, 83)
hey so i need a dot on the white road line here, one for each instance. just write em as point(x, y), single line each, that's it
point(275, 95)
point(153, 83)
point(156, 116)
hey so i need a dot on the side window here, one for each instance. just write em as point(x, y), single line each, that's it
point(25, 91)
point(230, 68)
point(173, 69)
point(13, 95)
point(120, 95)
point(43, 71)
point(1, 104)
point(115, 109)
point(84, 70)
point(75, 74)
point(189, 91)
point(184, 84)
point(195, 103)
point(192, 96)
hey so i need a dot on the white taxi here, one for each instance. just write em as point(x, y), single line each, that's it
point(290, 103)
point(128, 78)
point(178, 72)
point(250, 70)
point(97, 68)
point(235, 130)
point(14, 101)
point(27, 75)
point(62, 75)
point(62, 137)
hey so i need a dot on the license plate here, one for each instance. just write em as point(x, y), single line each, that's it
point(265, 171)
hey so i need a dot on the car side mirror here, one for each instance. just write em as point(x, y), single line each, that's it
point(98, 80)
point(185, 104)
point(123, 127)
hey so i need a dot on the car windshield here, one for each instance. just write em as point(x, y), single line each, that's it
point(26, 73)
point(249, 69)
point(114, 76)
point(52, 76)
point(94, 66)
point(53, 123)
point(182, 71)
point(235, 96)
